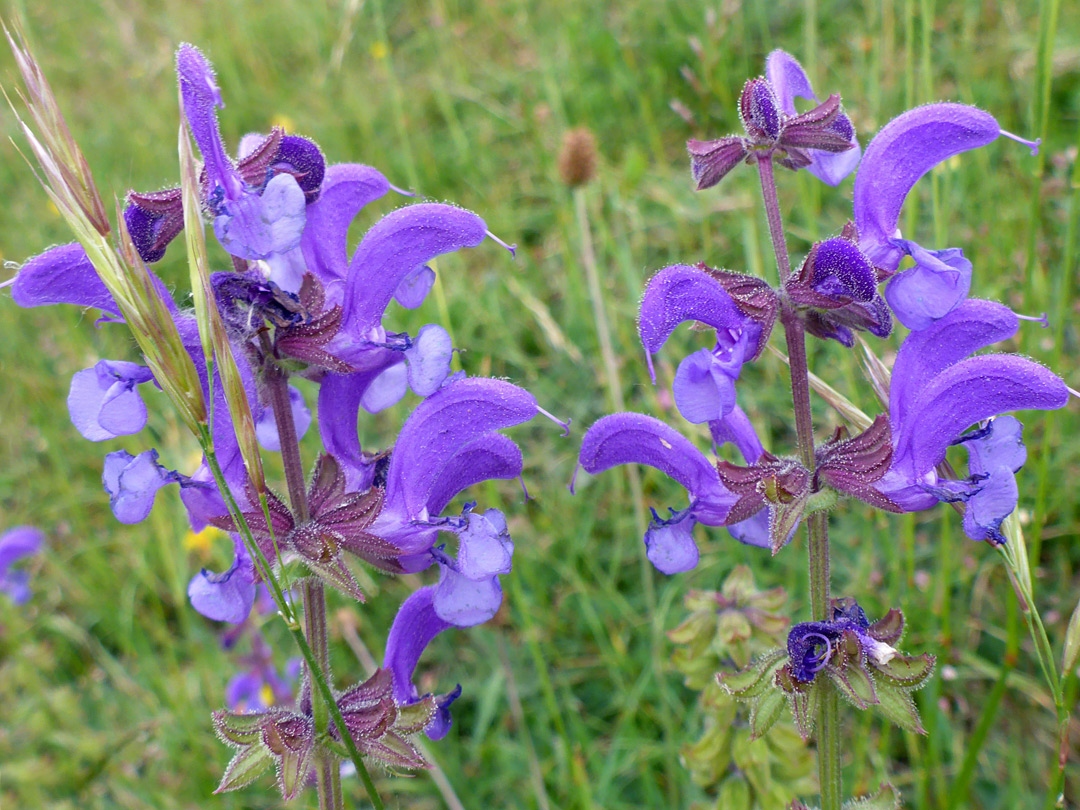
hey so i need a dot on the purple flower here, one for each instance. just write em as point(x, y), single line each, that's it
point(133, 481)
point(705, 381)
point(903, 151)
point(836, 287)
point(938, 391)
point(449, 443)
point(417, 623)
point(22, 541)
point(260, 685)
point(103, 402)
point(789, 81)
point(634, 438)
point(226, 597)
point(258, 203)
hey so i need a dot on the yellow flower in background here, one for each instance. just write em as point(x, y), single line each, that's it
point(202, 543)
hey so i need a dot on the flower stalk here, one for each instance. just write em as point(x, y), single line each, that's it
point(828, 750)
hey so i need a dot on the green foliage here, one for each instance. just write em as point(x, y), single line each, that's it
point(744, 756)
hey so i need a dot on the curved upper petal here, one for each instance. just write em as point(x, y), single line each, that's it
point(736, 428)
point(200, 97)
point(440, 426)
point(903, 151)
point(346, 189)
point(967, 392)
point(972, 325)
point(62, 275)
point(634, 438)
point(489, 457)
point(415, 625)
point(789, 81)
point(396, 245)
point(681, 293)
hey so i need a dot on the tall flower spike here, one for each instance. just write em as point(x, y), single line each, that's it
point(902, 152)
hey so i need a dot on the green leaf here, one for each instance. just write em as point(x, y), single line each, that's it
point(238, 730)
point(766, 711)
point(896, 705)
point(244, 768)
point(886, 798)
point(749, 682)
point(854, 684)
point(734, 795)
point(908, 671)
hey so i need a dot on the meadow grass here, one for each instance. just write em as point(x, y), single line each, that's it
point(107, 677)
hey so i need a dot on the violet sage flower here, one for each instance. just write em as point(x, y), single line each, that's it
point(903, 151)
point(937, 391)
point(15, 544)
point(704, 385)
point(634, 438)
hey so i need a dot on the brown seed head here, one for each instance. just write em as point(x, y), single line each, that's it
point(577, 157)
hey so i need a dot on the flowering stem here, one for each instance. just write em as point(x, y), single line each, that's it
point(328, 776)
point(828, 750)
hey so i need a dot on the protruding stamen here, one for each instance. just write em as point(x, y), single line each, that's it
point(511, 248)
point(573, 479)
point(1033, 145)
point(8, 283)
point(564, 425)
point(402, 191)
point(1041, 319)
point(648, 362)
point(525, 489)
point(1073, 391)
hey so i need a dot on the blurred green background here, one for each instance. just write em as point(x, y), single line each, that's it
point(107, 677)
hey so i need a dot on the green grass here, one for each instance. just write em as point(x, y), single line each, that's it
point(107, 677)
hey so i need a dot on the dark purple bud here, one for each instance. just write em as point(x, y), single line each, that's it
point(303, 160)
point(759, 111)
